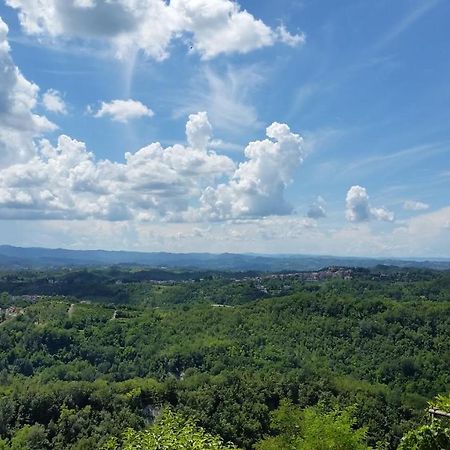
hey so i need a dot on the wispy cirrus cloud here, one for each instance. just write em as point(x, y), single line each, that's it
point(407, 21)
point(226, 96)
point(411, 154)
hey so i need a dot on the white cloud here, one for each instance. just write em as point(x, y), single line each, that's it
point(19, 125)
point(66, 182)
point(84, 3)
point(198, 130)
point(258, 184)
point(53, 102)
point(225, 96)
point(382, 214)
point(412, 205)
point(178, 183)
point(123, 110)
point(214, 26)
point(290, 39)
point(357, 204)
point(4, 45)
point(358, 208)
point(422, 236)
point(317, 209)
point(425, 234)
point(220, 144)
point(220, 26)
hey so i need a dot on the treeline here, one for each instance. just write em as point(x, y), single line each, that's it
point(158, 287)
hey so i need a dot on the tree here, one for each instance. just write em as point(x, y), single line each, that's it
point(30, 437)
point(170, 431)
point(434, 436)
point(313, 428)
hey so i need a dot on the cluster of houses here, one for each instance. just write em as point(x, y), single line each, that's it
point(330, 272)
point(320, 275)
point(323, 274)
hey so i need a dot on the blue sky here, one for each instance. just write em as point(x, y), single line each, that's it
point(354, 95)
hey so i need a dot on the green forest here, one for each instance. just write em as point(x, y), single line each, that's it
point(136, 358)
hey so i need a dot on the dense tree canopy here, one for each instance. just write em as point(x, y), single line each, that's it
point(79, 366)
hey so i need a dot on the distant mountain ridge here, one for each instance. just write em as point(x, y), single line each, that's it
point(22, 258)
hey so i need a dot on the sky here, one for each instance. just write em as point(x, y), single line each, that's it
point(295, 126)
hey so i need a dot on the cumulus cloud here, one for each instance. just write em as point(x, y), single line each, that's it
point(65, 181)
point(257, 186)
point(214, 26)
point(198, 130)
point(357, 204)
point(290, 39)
point(382, 214)
point(123, 110)
point(53, 102)
point(43, 180)
point(358, 208)
point(317, 209)
point(177, 183)
point(412, 205)
point(19, 125)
